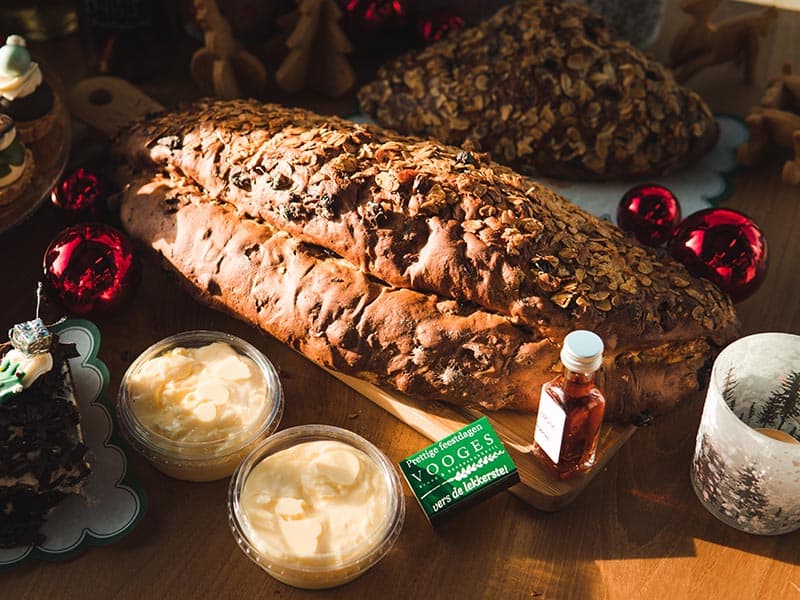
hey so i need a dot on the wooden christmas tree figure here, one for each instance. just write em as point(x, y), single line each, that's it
point(317, 49)
point(222, 67)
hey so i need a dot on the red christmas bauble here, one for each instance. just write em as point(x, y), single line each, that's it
point(651, 212)
point(92, 268)
point(725, 246)
point(370, 16)
point(436, 25)
point(79, 195)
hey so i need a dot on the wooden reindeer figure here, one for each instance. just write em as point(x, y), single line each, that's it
point(701, 43)
point(222, 67)
point(783, 92)
point(776, 120)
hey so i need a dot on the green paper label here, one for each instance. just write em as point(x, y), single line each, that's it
point(457, 467)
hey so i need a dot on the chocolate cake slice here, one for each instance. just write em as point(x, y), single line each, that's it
point(42, 451)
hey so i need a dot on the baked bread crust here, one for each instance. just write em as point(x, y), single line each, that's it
point(430, 347)
point(421, 215)
point(336, 315)
point(548, 89)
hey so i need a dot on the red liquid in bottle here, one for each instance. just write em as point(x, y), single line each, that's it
point(583, 406)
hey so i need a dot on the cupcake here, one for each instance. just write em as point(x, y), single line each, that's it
point(16, 162)
point(24, 95)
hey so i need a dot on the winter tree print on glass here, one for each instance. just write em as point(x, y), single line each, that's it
point(746, 466)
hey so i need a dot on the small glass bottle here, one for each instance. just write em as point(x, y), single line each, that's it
point(571, 408)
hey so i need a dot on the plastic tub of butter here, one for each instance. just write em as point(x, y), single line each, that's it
point(194, 404)
point(315, 506)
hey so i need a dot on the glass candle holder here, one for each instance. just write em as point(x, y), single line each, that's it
point(746, 466)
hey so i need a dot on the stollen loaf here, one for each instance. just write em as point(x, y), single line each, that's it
point(548, 89)
point(416, 215)
point(422, 344)
point(429, 347)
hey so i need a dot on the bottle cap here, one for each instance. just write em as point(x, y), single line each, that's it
point(582, 351)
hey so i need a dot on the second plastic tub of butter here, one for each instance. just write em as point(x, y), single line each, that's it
point(315, 506)
point(194, 404)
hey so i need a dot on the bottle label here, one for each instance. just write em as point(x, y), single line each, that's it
point(549, 426)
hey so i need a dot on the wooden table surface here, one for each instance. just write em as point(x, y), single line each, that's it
point(637, 531)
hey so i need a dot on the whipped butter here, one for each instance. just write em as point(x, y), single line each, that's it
point(203, 394)
point(197, 402)
point(319, 503)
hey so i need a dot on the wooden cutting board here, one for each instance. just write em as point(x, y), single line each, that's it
point(109, 103)
point(537, 487)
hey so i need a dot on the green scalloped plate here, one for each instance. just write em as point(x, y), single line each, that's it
point(112, 504)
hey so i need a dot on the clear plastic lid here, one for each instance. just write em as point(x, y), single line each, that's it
point(582, 351)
